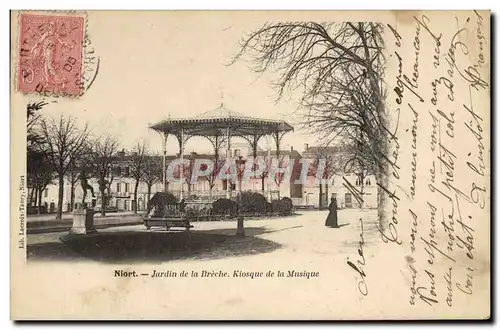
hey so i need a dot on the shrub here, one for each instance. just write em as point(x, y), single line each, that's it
point(253, 203)
point(224, 206)
point(283, 206)
point(286, 206)
point(192, 213)
point(269, 208)
point(275, 206)
point(162, 202)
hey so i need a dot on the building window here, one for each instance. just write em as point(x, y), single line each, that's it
point(46, 192)
point(127, 171)
point(118, 171)
point(126, 186)
point(118, 187)
point(368, 182)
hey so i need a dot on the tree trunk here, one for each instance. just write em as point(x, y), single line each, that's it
point(149, 198)
point(60, 197)
point(135, 195)
point(263, 184)
point(35, 200)
point(32, 192)
point(382, 198)
point(72, 196)
point(39, 195)
point(326, 192)
point(362, 195)
point(320, 195)
point(362, 191)
point(103, 201)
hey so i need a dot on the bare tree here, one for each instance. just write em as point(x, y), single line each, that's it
point(218, 163)
point(265, 172)
point(80, 162)
point(339, 68)
point(283, 161)
point(103, 151)
point(137, 167)
point(39, 174)
point(359, 162)
point(34, 138)
point(64, 141)
point(107, 183)
point(323, 168)
point(152, 174)
point(217, 159)
point(187, 171)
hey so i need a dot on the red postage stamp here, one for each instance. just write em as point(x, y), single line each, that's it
point(50, 54)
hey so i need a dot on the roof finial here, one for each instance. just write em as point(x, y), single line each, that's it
point(221, 99)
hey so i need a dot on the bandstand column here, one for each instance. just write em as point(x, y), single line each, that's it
point(278, 135)
point(164, 177)
point(228, 156)
point(269, 161)
point(278, 183)
point(253, 140)
point(181, 170)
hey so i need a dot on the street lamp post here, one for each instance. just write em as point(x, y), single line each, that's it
point(269, 160)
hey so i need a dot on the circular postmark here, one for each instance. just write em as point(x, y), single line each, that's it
point(91, 63)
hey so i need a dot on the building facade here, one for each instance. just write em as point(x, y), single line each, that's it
point(345, 187)
point(304, 193)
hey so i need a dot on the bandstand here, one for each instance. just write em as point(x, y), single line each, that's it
point(219, 126)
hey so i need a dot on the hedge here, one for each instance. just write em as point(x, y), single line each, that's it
point(162, 202)
point(252, 202)
point(224, 206)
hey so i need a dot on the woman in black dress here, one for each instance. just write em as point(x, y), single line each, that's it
point(331, 220)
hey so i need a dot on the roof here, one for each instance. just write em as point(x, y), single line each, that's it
point(216, 121)
point(291, 153)
point(158, 159)
point(325, 150)
point(220, 113)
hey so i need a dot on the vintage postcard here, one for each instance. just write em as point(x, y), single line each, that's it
point(250, 165)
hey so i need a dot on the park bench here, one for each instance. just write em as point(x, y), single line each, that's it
point(171, 217)
point(168, 222)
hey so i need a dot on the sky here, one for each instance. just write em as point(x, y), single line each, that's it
point(156, 64)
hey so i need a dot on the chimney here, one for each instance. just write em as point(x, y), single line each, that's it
point(306, 146)
point(291, 148)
